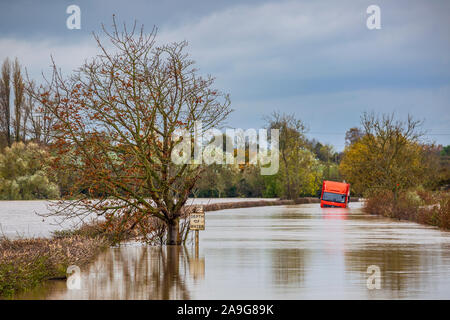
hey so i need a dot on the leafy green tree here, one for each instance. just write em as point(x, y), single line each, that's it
point(310, 173)
point(272, 186)
point(445, 151)
point(24, 173)
point(215, 182)
point(299, 168)
point(251, 182)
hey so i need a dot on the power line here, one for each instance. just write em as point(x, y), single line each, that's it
point(340, 133)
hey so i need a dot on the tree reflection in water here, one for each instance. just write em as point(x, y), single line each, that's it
point(132, 272)
point(288, 267)
point(142, 272)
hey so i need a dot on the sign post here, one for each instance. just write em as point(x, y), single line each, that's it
point(196, 223)
point(197, 244)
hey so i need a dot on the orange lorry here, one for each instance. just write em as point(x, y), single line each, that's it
point(334, 194)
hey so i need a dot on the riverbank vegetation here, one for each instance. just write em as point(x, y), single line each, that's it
point(25, 263)
point(398, 173)
point(303, 164)
point(431, 208)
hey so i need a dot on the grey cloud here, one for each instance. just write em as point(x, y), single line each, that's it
point(314, 58)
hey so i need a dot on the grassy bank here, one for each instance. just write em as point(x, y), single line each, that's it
point(25, 263)
point(431, 208)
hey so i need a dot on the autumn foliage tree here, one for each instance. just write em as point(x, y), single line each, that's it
point(116, 118)
point(387, 156)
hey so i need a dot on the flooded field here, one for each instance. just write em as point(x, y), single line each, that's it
point(282, 252)
point(24, 218)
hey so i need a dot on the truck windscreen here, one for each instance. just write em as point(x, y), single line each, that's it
point(333, 197)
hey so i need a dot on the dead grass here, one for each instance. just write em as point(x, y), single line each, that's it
point(24, 263)
point(431, 208)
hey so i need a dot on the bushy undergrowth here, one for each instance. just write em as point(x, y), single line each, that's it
point(24, 263)
point(93, 229)
point(432, 208)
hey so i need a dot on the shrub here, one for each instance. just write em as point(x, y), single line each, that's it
point(437, 213)
point(444, 211)
point(25, 174)
point(432, 208)
point(380, 202)
point(407, 206)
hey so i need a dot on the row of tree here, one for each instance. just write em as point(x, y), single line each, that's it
point(22, 117)
point(27, 117)
point(303, 165)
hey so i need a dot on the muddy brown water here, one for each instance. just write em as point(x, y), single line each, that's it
point(281, 252)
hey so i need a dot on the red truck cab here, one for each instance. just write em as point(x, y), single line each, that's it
point(334, 194)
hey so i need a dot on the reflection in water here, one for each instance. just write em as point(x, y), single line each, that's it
point(293, 252)
point(288, 267)
point(132, 272)
point(393, 264)
point(335, 213)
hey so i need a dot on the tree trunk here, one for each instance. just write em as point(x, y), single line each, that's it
point(5, 90)
point(173, 232)
point(395, 197)
point(8, 126)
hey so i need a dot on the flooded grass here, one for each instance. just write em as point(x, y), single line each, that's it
point(430, 208)
point(25, 263)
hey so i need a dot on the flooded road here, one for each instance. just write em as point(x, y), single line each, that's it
point(282, 252)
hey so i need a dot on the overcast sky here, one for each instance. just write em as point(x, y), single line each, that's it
point(316, 59)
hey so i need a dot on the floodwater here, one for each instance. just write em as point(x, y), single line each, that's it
point(282, 252)
point(27, 219)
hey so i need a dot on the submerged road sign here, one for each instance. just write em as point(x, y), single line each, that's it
point(197, 219)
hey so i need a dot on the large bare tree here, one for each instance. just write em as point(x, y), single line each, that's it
point(116, 118)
